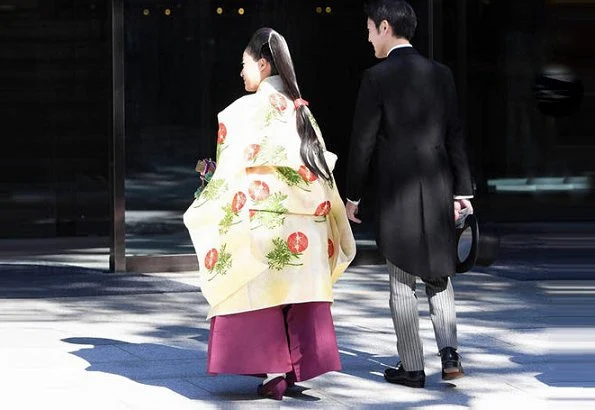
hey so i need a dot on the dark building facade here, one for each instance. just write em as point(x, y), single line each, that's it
point(105, 106)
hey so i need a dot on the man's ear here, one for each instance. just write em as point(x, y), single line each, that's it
point(385, 27)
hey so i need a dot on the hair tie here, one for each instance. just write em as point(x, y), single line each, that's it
point(299, 102)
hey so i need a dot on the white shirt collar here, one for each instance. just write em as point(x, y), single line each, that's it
point(398, 46)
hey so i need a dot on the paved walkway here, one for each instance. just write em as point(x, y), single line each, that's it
point(524, 344)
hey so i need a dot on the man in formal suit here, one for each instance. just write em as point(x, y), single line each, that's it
point(406, 121)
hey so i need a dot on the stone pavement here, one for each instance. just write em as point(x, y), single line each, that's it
point(523, 343)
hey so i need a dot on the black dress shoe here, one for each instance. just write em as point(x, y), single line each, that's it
point(405, 378)
point(451, 364)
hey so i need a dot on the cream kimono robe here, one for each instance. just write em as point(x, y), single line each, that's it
point(266, 231)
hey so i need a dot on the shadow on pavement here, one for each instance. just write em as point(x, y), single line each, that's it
point(498, 312)
point(33, 281)
point(181, 370)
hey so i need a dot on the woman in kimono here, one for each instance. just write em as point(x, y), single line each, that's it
point(270, 231)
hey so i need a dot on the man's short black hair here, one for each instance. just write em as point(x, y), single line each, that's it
point(399, 14)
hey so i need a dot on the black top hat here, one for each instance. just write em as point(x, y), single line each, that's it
point(467, 221)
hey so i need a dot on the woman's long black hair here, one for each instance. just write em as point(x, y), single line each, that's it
point(268, 44)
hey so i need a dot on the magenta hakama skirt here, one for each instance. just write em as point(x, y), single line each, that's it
point(298, 338)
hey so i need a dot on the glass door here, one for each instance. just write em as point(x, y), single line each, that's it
point(182, 61)
point(54, 113)
point(524, 71)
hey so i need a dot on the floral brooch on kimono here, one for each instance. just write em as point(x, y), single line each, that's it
point(205, 168)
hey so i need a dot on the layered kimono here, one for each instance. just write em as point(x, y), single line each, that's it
point(266, 230)
point(271, 239)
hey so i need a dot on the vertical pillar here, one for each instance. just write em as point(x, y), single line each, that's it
point(461, 74)
point(430, 29)
point(117, 260)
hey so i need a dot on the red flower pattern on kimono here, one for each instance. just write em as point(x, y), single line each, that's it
point(331, 248)
point(323, 209)
point(251, 152)
point(306, 174)
point(211, 258)
point(258, 191)
point(238, 202)
point(217, 262)
point(221, 133)
point(278, 101)
point(297, 242)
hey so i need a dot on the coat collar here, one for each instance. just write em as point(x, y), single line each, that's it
point(402, 51)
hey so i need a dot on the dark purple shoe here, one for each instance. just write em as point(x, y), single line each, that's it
point(273, 389)
point(290, 379)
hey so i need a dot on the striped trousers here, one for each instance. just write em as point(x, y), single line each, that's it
point(404, 310)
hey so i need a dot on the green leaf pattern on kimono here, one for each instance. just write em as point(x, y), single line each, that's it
point(270, 116)
point(269, 153)
point(214, 189)
point(293, 178)
point(272, 213)
point(227, 221)
point(280, 256)
point(285, 253)
point(218, 153)
point(218, 262)
point(231, 212)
